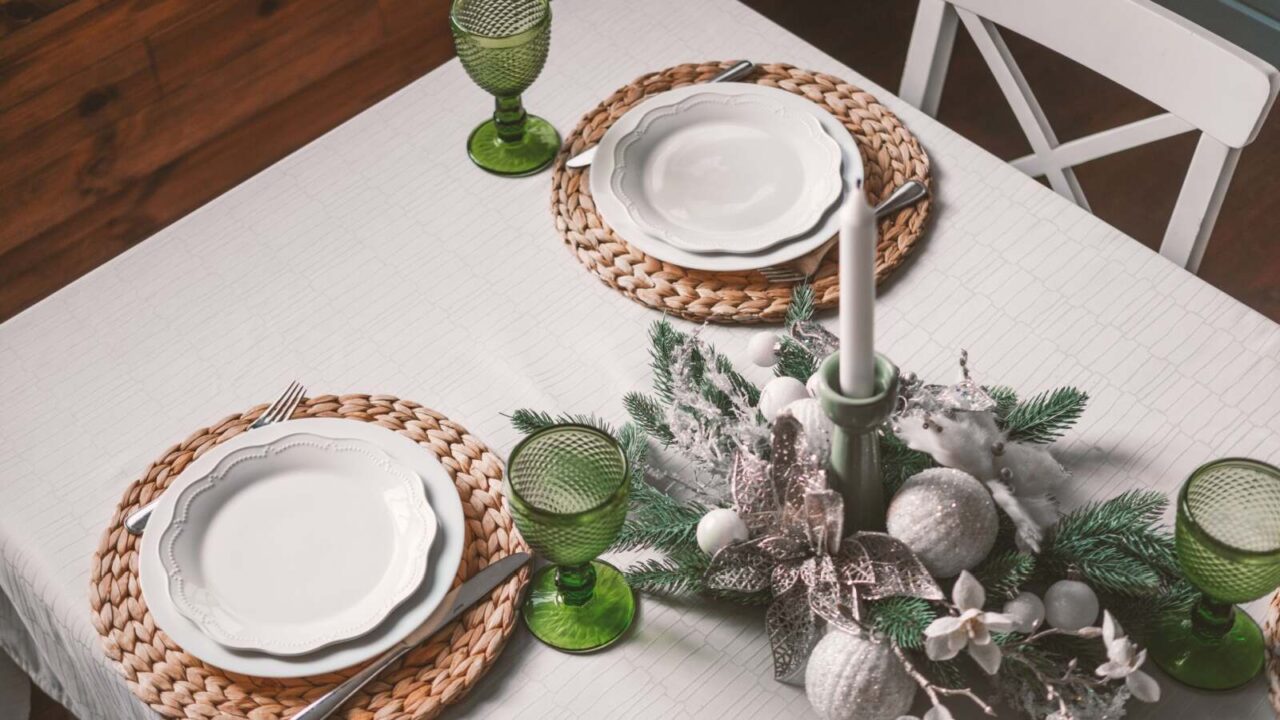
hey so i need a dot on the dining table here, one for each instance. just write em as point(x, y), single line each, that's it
point(378, 259)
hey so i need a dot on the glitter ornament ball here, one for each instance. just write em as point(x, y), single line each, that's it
point(852, 678)
point(779, 393)
point(946, 517)
point(762, 348)
point(719, 528)
point(1070, 605)
point(1027, 611)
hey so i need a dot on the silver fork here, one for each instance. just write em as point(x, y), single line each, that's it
point(278, 411)
point(806, 266)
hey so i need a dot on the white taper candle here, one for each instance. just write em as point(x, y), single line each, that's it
point(857, 296)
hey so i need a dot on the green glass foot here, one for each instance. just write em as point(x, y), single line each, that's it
point(533, 152)
point(593, 625)
point(1209, 663)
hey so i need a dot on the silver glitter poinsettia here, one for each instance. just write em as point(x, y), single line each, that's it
point(797, 551)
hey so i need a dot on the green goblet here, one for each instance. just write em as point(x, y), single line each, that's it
point(503, 45)
point(568, 485)
point(1228, 540)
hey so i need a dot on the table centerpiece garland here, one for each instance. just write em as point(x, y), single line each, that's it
point(981, 591)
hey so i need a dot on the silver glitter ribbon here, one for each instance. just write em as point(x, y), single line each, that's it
point(798, 554)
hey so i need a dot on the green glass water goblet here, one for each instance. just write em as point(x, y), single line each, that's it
point(567, 486)
point(502, 45)
point(1228, 541)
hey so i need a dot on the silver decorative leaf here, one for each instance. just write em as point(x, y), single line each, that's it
point(750, 481)
point(824, 520)
point(793, 631)
point(897, 570)
point(740, 567)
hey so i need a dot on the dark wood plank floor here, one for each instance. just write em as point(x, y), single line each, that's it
point(1134, 192)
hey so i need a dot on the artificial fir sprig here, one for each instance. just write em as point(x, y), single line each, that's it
point(1004, 572)
point(1045, 417)
point(1115, 545)
point(901, 619)
point(528, 421)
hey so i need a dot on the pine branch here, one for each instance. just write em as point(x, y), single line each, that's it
point(1116, 545)
point(943, 674)
point(665, 344)
point(672, 577)
point(668, 527)
point(1006, 399)
point(1045, 417)
point(1003, 574)
point(664, 341)
point(803, 303)
point(794, 360)
point(647, 412)
point(901, 619)
point(528, 421)
point(899, 462)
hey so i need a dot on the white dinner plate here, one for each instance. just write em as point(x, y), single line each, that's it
point(442, 565)
point(614, 213)
point(719, 172)
point(298, 543)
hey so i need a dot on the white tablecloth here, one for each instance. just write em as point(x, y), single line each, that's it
point(379, 259)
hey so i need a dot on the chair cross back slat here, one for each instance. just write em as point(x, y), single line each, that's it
point(1203, 82)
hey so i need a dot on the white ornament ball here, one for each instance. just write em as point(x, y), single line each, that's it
point(779, 393)
point(1070, 605)
point(1027, 611)
point(762, 348)
point(946, 517)
point(852, 678)
point(812, 384)
point(719, 528)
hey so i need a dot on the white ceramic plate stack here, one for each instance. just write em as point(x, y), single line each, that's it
point(302, 547)
point(725, 177)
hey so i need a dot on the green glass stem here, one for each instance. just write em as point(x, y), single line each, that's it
point(509, 117)
point(1211, 619)
point(576, 584)
point(855, 463)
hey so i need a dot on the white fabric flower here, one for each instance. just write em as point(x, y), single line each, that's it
point(1123, 661)
point(972, 628)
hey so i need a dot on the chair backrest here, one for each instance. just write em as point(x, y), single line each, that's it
point(1204, 82)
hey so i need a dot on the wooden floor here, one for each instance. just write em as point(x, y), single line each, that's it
point(1134, 191)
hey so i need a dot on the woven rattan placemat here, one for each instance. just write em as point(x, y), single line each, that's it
point(891, 155)
point(435, 675)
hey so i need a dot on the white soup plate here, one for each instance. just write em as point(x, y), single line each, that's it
point(720, 172)
point(296, 544)
point(614, 212)
point(440, 566)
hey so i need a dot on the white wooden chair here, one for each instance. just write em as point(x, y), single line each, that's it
point(1204, 82)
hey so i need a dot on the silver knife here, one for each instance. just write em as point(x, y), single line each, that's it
point(733, 72)
point(458, 600)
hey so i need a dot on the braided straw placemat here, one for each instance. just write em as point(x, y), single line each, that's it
point(890, 154)
point(436, 674)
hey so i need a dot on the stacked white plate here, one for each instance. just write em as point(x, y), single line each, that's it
point(725, 177)
point(302, 548)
